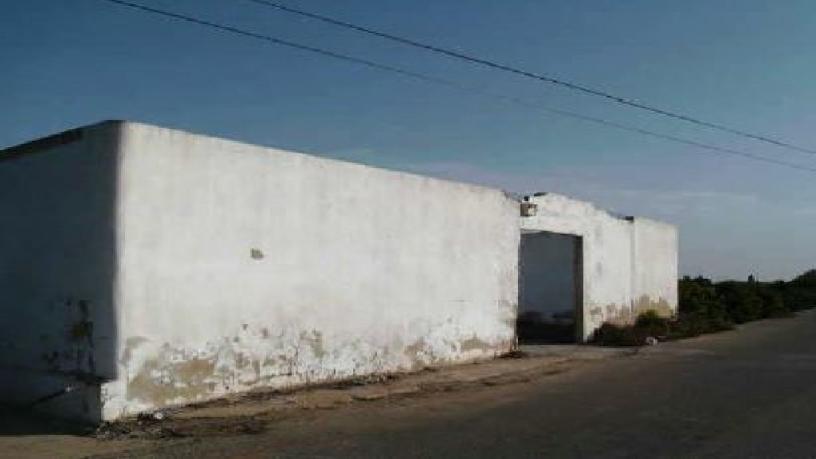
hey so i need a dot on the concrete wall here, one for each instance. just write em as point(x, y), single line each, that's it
point(244, 267)
point(547, 277)
point(144, 267)
point(58, 271)
point(655, 266)
point(629, 264)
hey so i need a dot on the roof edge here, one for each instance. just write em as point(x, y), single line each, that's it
point(53, 140)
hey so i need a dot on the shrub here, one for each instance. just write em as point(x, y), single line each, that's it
point(617, 335)
point(806, 280)
point(773, 304)
point(800, 293)
point(652, 324)
point(701, 309)
point(648, 324)
point(693, 324)
point(742, 302)
point(708, 307)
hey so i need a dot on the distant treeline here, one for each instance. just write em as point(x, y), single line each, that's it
point(719, 305)
point(708, 307)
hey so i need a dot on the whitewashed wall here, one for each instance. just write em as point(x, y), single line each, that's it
point(655, 265)
point(145, 267)
point(58, 331)
point(245, 267)
point(625, 271)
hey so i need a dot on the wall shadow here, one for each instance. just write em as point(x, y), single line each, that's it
point(58, 262)
point(19, 421)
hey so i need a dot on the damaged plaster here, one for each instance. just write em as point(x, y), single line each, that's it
point(160, 374)
point(351, 270)
point(198, 267)
point(629, 263)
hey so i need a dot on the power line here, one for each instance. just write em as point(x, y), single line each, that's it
point(538, 76)
point(453, 84)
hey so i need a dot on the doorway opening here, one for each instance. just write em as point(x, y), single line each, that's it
point(550, 306)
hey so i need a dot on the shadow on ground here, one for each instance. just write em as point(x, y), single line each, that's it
point(16, 421)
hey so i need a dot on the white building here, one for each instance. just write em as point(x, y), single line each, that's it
point(592, 265)
point(145, 267)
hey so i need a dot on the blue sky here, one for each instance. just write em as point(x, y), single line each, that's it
point(748, 64)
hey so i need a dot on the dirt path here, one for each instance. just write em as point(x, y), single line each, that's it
point(25, 435)
point(748, 393)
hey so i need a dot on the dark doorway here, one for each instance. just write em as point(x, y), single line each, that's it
point(550, 288)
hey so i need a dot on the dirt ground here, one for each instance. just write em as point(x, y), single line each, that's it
point(23, 434)
point(748, 393)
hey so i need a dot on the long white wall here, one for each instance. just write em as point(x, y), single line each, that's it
point(630, 265)
point(145, 267)
point(243, 267)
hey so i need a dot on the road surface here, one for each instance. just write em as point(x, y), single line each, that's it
point(748, 393)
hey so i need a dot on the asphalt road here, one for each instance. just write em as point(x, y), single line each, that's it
point(748, 393)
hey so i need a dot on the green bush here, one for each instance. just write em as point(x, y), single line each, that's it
point(742, 302)
point(701, 309)
point(618, 335)
point(648, 324)
point(806, 280)
point(693, 324)
point(773, 304)
point(652, 324)
point(800, 293)
point(708, 307)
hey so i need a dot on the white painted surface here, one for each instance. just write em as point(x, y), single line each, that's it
point(209, 267)
point(617, 275)
point(244, 266)
point(656, 261)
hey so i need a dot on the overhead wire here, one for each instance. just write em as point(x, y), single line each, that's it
point(536, 75)
point(453, 84)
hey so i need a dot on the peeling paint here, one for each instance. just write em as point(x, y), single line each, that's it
point(628, 314)
point(326, 270)
point(629, 264)
point(130, 345)
point(163, 375)
point(163, 382)
point(420, 354)
point(315, 340)
point(660, 305)
point(475, 344)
